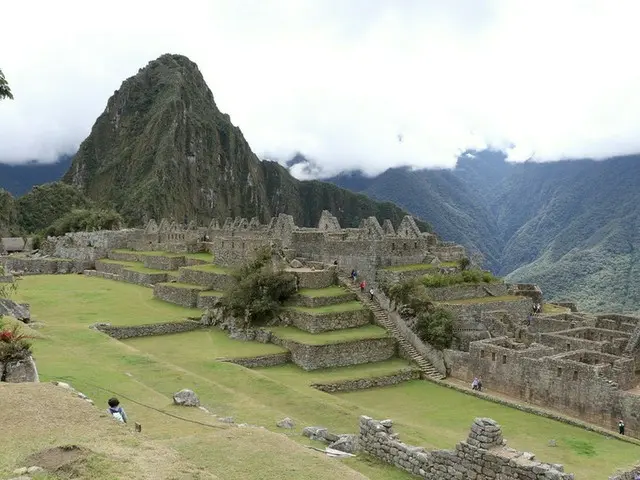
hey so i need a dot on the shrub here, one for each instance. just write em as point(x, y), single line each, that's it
point(14, 344)
point(465, 276)
point(84, 220)
point(261, 289)
point(464, 263)
point(436, 327)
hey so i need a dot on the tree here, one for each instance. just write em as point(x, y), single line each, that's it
point(260, 291)
point(464, 263)
point(5, 90)
point(436, 328)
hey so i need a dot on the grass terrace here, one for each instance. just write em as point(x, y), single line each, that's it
point(200, 346)
point(424, 413)
point(211, 293)
point(337, 308)
point(419, 266)
point(183, 285)
point(334, 291)
point(471, 301)
point(293, 375)
point(326, 338)
point(552, 309)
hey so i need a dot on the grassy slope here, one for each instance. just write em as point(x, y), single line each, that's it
point(423, 413)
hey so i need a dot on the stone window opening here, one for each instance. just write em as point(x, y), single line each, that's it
point(232, 245)
point(404, 246)
point(504, 359)
point(568, 347)
point(222, 244)
point(415, 245)
point(481, 353)
point(243, 245)
point(575, 374)
point(493, 356)
point(393, 246)
point(559, 372)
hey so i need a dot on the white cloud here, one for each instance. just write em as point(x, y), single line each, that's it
point(339, 81)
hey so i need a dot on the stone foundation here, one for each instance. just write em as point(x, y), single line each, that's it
point(315, 302)
point(325, 322)
point(261, 361)
point(481, 457)
point(372, 382)
point(314, 278)
point(207, 301)
point(46, 266)
point(133, 331)
point(185, 296)
point(210, 280)
point(313, 357)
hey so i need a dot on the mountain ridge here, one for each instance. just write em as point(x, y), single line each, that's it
point(162, 148)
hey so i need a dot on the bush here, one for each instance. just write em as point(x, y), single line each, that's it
point(464, 263)
point(84, 220)
point(436, 328)
point(14, 345)
point(472, 276)
point(47, 203)
point(261, 289)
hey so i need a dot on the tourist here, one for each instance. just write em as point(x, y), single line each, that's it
point(479, 384)
point(353, 275)
point(363, 284)
point(116, 410)
point(529, 319)
point(474, 384)
point(621, 427)
point(371, 292)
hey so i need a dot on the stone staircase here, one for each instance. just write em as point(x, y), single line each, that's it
point(382, 319)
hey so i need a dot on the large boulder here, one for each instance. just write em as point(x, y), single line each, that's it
point(21, 371)
point(16, 310)
point(347, 443)
point(286, 423)
point(186, 398)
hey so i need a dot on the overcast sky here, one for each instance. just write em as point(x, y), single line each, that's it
point(339, 80)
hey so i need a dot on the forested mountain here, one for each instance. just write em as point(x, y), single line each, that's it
point(162, 148)
point(18, 179)
point(573, 226)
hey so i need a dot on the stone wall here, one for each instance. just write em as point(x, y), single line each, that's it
point(517, 310)
point(315, 278)
point(210, 280)
point(180, 295)
point(45, 266)
point(355, 352)
point(19, 371)
point(261, 361)
point(582, 383)
point(463, 291)
point(482, 456)
point(89, 245)
point(315, 302)
point(631, 474)
point(132, 331)
point(371, 382)
point(325, 322)
point(207, 301)
point(162, 262)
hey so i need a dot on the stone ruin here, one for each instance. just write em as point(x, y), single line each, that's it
point(582, 365)
point(483, 455)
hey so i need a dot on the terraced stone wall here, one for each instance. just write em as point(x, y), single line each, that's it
point(517, 310)
point(122, 332)
point(482, 456)
point(325, 322)
point(313, 357)
point(162, 262)
point(45, 266)
point(208, 279)
point(315, 278)
point(315, 302)
point(262, 360)
point(207, 301)
point(372, 382)
point(180, 295)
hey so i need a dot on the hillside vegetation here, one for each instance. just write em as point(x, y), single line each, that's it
point(573, 227)
point(162, 148)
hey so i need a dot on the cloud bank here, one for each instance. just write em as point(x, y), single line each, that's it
point(341, 81)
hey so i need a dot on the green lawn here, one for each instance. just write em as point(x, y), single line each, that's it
point(488, 299)
point(548, 308)
point(334, 291)
point(424, 413)
point(119, 262)
point(325, 338)
point(419, 266)
point(208, 257)
point(336, 308)
point(201, 345)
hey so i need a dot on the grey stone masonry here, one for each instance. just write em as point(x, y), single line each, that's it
point(133, 331)
point(371, 382)
point(184, 295)
point(482, 456)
